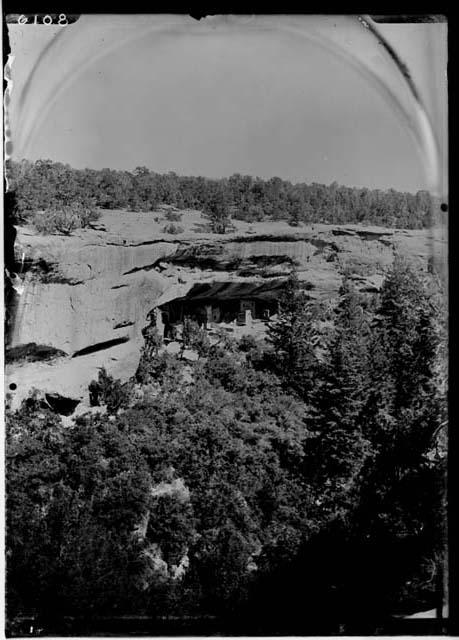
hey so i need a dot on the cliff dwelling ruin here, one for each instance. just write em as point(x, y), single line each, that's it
point(238, 307)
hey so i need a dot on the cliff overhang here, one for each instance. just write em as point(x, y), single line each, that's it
point(86, 297)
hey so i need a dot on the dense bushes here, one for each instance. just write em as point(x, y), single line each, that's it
point(44, 184)
point(172, 228)
point(73, 497)
point(230, 478)
point(64, 219)
point(173, 216)
point(109, 392)
point(194, 337)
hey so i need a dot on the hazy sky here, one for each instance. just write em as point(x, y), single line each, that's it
point(216, 102)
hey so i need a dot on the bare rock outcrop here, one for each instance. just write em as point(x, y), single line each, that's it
point(153, 565)
point(88, 295)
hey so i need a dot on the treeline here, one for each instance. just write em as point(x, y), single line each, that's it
point(45, 184)
point(294, 486)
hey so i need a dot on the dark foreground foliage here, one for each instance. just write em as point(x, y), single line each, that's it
point(294, 486)
point(45, 185)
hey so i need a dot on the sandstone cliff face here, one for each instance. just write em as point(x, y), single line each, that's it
point(88, 295)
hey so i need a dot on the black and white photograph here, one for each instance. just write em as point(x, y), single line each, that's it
point(226, 325)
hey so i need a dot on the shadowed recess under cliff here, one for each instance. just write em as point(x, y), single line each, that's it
point(100, 346)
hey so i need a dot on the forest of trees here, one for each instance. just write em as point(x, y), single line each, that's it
point(45, 185)
point(306, 475)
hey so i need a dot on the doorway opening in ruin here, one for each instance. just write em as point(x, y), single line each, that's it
point(239, 307)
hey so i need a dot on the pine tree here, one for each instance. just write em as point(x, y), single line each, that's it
point(401, 502)
point(295, 338)
point(404, 352)
point(338, 450)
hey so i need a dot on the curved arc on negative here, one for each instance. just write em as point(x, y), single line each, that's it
point(423, 133)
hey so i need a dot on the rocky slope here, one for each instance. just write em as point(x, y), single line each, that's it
point(86, 297)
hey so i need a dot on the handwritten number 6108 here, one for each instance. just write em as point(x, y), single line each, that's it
point(40, 19)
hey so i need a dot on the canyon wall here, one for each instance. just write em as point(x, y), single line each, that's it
point(87, 296)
